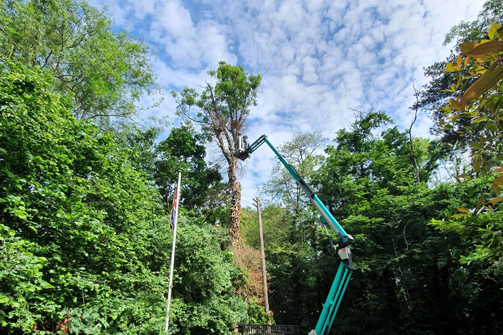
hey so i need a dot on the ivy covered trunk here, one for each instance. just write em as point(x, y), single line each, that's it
point(235, 214)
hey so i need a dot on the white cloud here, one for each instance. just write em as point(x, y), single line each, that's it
point(320, 58)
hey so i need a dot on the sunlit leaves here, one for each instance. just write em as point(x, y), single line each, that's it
point(105, 72)
point(479, 113)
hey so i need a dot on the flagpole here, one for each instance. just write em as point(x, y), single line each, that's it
point(177, 195)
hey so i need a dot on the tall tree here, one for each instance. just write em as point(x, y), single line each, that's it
point(106, 72)
point(70, 195)
point(222, 109)
point(369, 181)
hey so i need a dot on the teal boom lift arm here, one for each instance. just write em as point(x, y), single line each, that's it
point(326, 319)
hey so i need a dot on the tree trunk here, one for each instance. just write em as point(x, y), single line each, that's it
point(234, 228)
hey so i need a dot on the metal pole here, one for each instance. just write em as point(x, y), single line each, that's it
point(262, 259)
point(173, 250)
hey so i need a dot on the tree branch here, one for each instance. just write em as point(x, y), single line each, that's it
point(416, 111)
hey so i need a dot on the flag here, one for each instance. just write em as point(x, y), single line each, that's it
point(173, 211)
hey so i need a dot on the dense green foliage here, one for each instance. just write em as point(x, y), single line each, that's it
point(184, 150)
point(85, 243)
point(106, 72)
point(85, 246)
point(477, 114)
point(408, 274)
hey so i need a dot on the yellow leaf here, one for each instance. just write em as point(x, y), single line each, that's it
point(466, 47)
point(485, 48)
point(480, 203)
point(459, 81)
point(449, 68)
point(477, 162)
point(463, 210)
point(493, 30)
point(458, 215)
point(494, 201)
point(479, 119)
point(487, 81)
point(455, 104)
point(467, 60)
point(495, 188)
point(459, 60)
point(496, 182)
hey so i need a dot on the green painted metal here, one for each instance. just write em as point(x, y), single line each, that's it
point(345, 270)
point(334, 300)
point(324, 313)
point(331, 220)
point(290, 169)
point(350, 272)
point(321, 207)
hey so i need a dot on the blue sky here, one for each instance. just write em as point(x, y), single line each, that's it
point(320, 60)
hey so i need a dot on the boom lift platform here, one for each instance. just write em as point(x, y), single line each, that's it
point(243, 151)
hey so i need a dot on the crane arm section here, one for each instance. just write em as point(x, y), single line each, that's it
point(243, 151)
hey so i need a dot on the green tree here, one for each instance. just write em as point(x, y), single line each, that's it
point(206, 279)
point(70, 197)
point(477, 114)
point(83, 240)
point(222, 109)
point(106, 72)
point(184, 150)
point(304, 153)
point(407, 273)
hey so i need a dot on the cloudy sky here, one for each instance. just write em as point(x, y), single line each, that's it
point(320, 60)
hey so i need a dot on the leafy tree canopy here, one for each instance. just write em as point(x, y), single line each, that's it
point(84, 243)
point(439, 90)
point(222, 109)
point(477, 114)
point(106, 72)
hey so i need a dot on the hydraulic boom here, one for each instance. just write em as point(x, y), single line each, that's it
point(326, 319)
